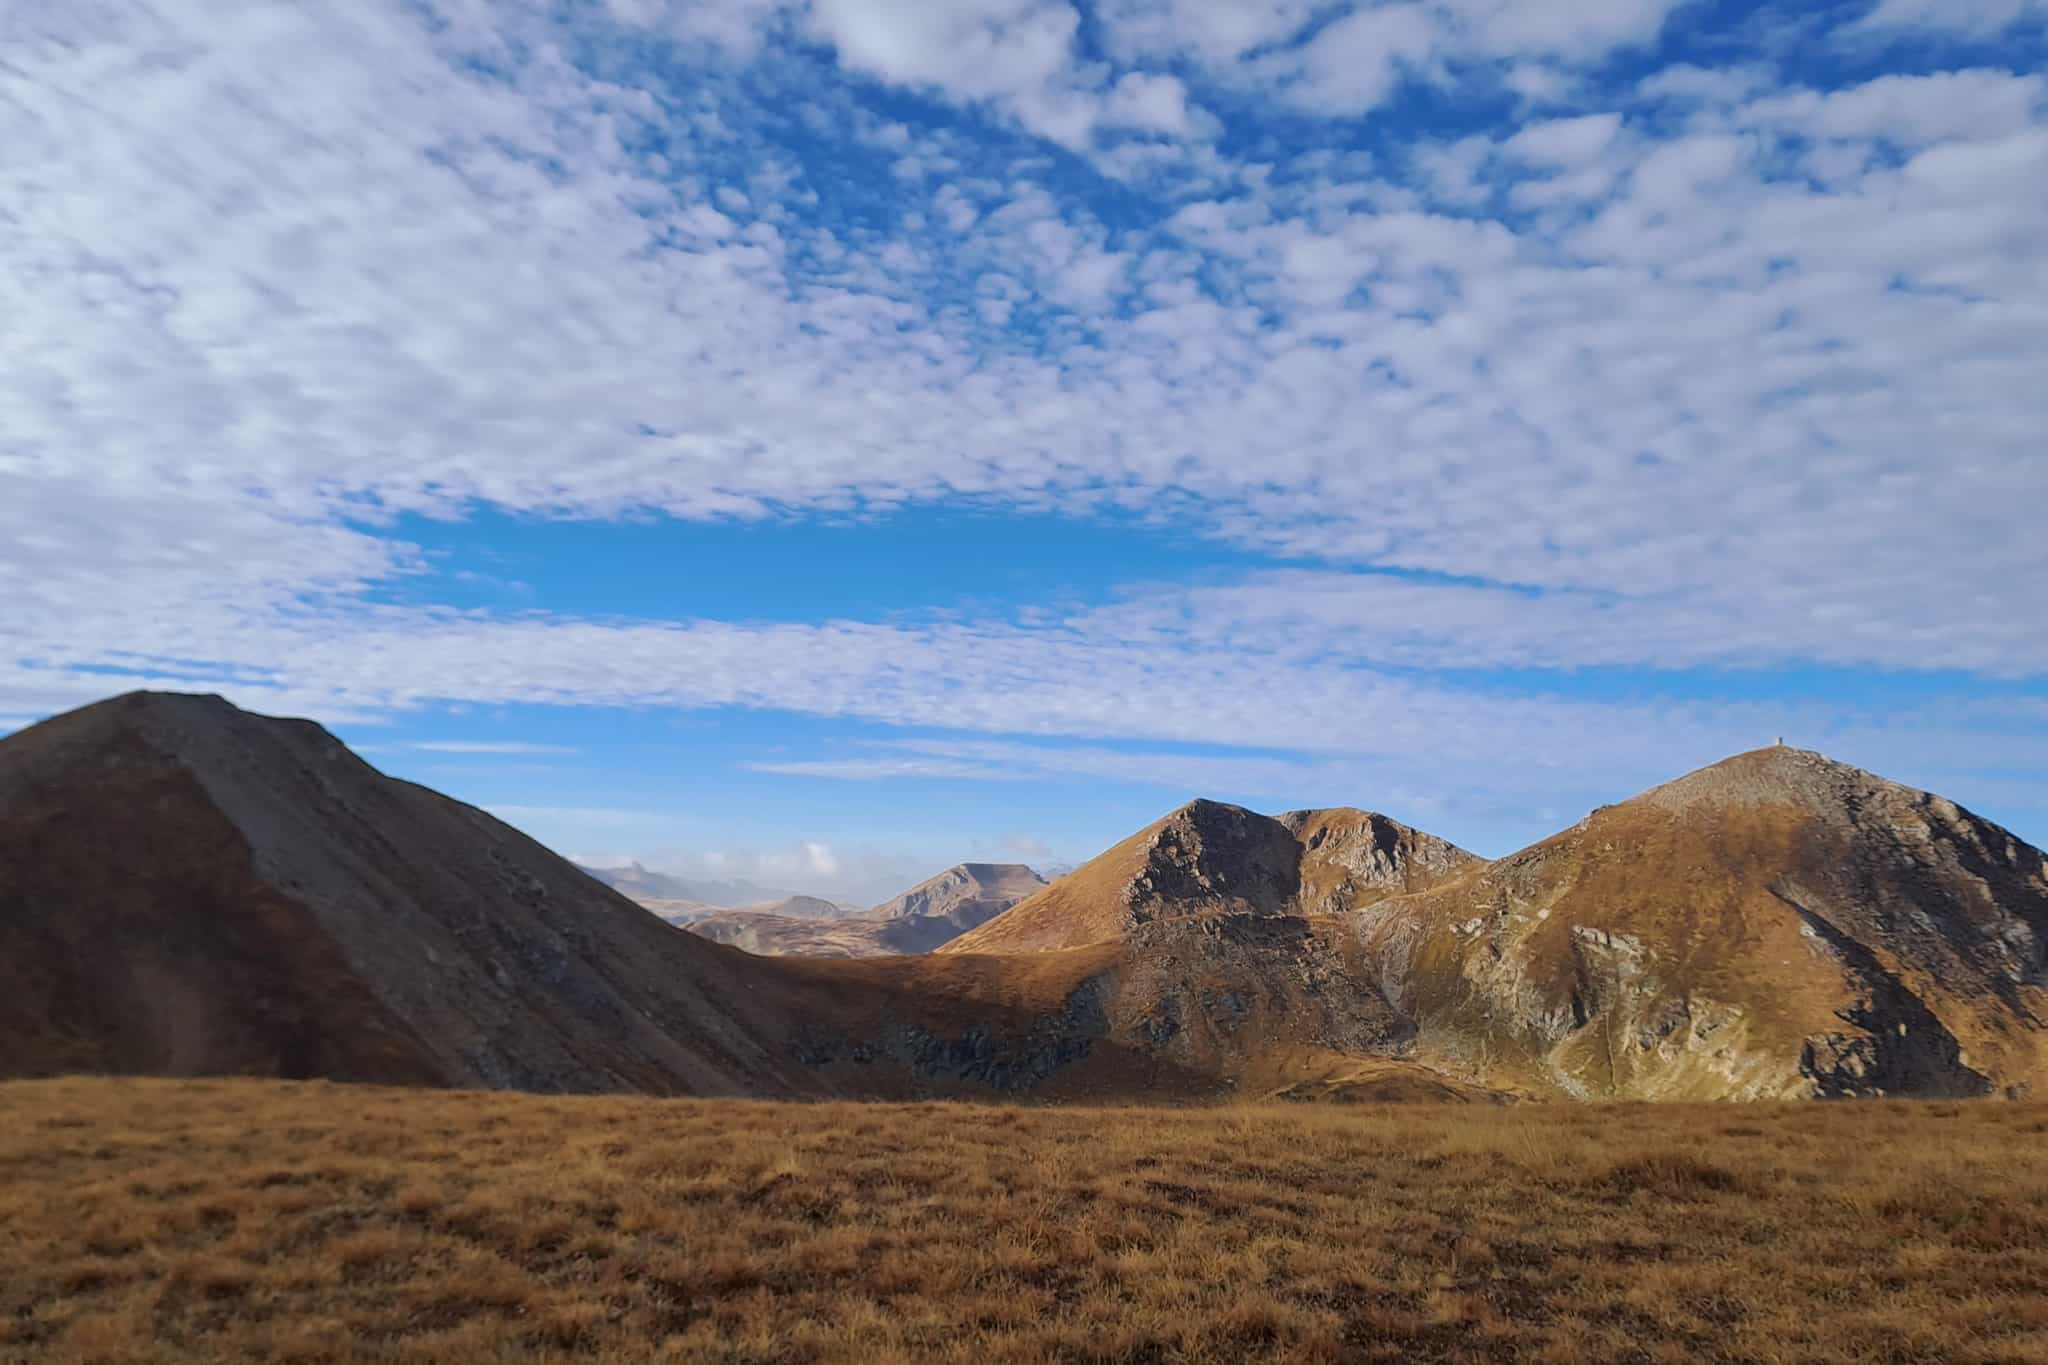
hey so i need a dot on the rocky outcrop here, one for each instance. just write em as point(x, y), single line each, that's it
point(1353, 858)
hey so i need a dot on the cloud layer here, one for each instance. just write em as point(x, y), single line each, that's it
point(1533, 345)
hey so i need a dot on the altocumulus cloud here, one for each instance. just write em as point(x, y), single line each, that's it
point(1653, 347)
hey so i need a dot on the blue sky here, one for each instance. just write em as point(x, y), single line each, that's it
point(823, 440)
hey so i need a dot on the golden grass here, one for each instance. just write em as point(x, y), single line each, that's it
point(243, 1220)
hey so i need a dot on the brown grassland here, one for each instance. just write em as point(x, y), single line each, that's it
point(245, 1220)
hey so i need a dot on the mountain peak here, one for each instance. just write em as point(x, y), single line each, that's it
point(1210, 857)
point(944, 894)
point(278, 906)
point(1782, 776)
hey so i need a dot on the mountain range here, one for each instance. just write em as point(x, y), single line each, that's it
point(934, 912)
point(644, 884)
point(186, 888)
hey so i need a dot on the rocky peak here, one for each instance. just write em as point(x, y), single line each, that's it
point(1352, 858)
point(1210, 856)
point(959, 886)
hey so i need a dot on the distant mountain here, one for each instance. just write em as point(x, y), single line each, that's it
point(688, 914)
point(802, 908)
point(1209, 858)
point(922, 918)
point(772, 935)
point(679, 913)
point(965, 896)
point(645, 885)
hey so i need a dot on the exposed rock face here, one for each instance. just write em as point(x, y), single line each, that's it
point(932, 913)
point(962, 897)
point(1208, 858)
point(1777, 925)
point(1353, 858)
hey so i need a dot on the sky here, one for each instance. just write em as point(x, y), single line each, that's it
point(823, 440)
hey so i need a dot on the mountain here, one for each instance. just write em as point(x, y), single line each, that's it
point(677, 912)
point(931, 913)
point(186, 888)
point(1207, 858)
point(965, 896)
point(1778, 925)
point(801, 907)
point(686, 914)
point(646, 886)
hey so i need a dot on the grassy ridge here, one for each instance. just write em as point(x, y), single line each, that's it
point(265, 1221)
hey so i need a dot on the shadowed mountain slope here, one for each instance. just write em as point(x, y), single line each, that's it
point(1208, 858)
point(1776, 925)
point(188, 888)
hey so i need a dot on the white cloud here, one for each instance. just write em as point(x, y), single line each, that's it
point(1752, 387)
point(1691, 84)
point(736, 27)
point(467, 746)
point(1584, 31)
point(1213, 35)
point(1566, 143)
point(1976, 19)
point(1354, 64)
point(1018, 56)
point(1912, 111)
point(1156, 104)
point(883, 767)
point(1348, 60)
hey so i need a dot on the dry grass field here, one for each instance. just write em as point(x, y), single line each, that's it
point(232, 1220)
